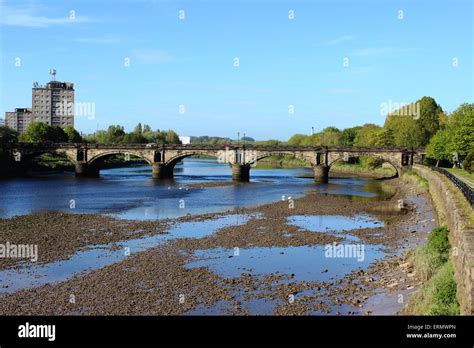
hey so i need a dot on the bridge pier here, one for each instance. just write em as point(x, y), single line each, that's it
point(321, 173)
point(161, 171)
point(87, 170)
point(240, 172)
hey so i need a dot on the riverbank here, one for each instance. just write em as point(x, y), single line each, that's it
point(339, 169)
point(179, 276)
point(455, 213)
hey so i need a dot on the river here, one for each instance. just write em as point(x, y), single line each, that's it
point(130, 193)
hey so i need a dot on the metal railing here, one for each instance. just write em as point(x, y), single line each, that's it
point(466, 190)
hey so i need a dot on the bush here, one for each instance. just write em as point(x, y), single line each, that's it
point(438, 242)
point(468, 163)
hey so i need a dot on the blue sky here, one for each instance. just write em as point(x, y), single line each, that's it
point(283, 62)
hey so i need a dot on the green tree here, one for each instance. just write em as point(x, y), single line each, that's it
point(73, 135)
point(404, 129)
point(348, 135)
point(461, 125)
point(366, 135)
point(296, 139)
point(172, 137)
point(114, 134)
point(385, 138)
point(438, 148)
point(429, 119)
point(468, 163)
point(8, 136)
point(330, 136)
point(138, 129)
point(38, 132)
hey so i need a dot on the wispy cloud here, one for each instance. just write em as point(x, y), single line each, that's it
point(341, 39)
point(28, 17)
point(99, 40)
point(375, 51)
point(151, 56)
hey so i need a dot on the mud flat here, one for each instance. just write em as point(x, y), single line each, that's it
point(270, 259)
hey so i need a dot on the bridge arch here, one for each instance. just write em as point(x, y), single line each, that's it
point(64, 154)
point(93, 160)
point(179, 157)
point(385, 159)
point(299, 156)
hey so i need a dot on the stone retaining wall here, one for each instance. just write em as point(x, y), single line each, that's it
point(452, 213)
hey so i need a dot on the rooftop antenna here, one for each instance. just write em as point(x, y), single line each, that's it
point(52, 72)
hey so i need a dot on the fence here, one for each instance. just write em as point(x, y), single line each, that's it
point(466, 190)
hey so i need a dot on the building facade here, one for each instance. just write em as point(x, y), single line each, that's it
point(52, 103)
point(19, 119)
point(2, 122)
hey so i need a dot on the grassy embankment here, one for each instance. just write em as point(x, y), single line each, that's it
point(363, 166)
point(432, 265)
point(421, 184)
point(465, 175)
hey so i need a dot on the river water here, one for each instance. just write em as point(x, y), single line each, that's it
point(131, 193)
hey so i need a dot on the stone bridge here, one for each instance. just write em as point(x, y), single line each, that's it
point(87, 158)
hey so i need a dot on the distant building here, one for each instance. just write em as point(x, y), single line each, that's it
point(52, 103)
point(2, 122)
point(18, 119)
point(185, 140)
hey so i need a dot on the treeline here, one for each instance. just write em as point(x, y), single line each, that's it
point(410, 126)
point(449, 139)
point(212, 140)
point(140, 135)
point(39, 132)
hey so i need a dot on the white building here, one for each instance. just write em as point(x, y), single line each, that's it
point(2, 122)
point(185, 140)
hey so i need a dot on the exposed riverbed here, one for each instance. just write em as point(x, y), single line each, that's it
point(278, 245)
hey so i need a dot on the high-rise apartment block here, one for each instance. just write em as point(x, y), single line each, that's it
point(52, 103)
point(18, 119)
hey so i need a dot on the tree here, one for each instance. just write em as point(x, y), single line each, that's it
point(38, 132)
point(348, 135)
point(73, 135)
point(385, 138)
point(172, 137)
point(330, 136)
point(413, 125)
point(366, 135)
point(146, 128)
point(438, 148)
point(468, 163)
point(296, 139)
point(8, 136)
point(138, 129)
point(461, 125)
point(404, 130)
point(428, 122)
point(114, 134)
